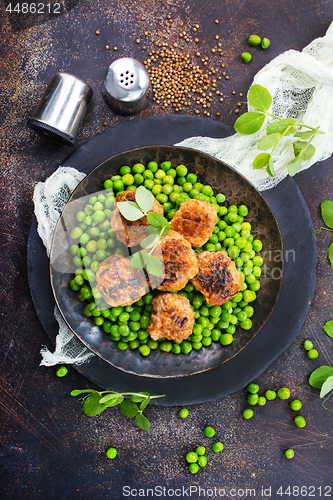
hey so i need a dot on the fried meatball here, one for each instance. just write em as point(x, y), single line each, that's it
point(195, 220)
point(218, 279)
point(180, 262)
point(131, 233)
point(120, 284)
point(171, 318)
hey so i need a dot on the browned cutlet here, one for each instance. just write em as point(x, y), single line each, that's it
point(131, 233)
point(171, 318)
point(120, 284)
point(195, 220)
point(218, 279)
point(180, 261)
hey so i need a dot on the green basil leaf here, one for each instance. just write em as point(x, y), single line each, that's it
point(249, 123)
point(328, 327)
point(269, 141)
point(294, 165)
point(326, 387)
point(144, 403)
point(327, 213)
point(142, 422)
point(270, 167)
point(92, 406)
point(259, 97)
point(280, 125)
point(139, 259)
point(330, 254)
point(138, 399)
point(149, 241)
point(261, 161)
point(129, 211)
point(154, 266)
point(318, 377)
point(76, 392)
point(304, 135)
point(157, 220)
point(128, 408)
point(144, 199)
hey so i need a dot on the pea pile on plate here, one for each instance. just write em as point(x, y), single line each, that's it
point(94, 240)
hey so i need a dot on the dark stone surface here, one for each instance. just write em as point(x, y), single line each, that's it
point(49, 448)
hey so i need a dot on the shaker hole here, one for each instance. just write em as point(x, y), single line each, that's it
point(132, 76)
point(127, 72)
point(126, 84)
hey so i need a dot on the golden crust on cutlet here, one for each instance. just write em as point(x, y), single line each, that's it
point(120, 284)
point(218, 279)
point(195, 220)
point(180, 262)
point(131, 233)
point(171, 318)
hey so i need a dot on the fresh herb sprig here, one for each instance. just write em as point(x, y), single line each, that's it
point(95, 402)
point(158, 227)
point(250, 122)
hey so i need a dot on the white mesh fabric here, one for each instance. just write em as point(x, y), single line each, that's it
point(301, 84)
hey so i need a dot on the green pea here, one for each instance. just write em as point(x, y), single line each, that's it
point(108, 184)
point(76, 233)
point(283, 393)
point(202, 461)
point(308, 345)
point(209, 431)
point(313, 354)
point(246, 57)
point(61, 371)
point(270, 395)
point(144, 350)
point(111, 453)
point(134, 344)
point(253, 388)
point(176, 349)
point(217, 447)
point(166, 165)
point(296, 405)
point(125, 170)
point(252, 399)
point(300, 421)
point(247, 414)
point(261, 401)
point(216, 334)
point(254, 40)
point(289, 453)
point(193, 468)
point(166, 346)
point(152, 344)
point(162, 198)
point(265, 43)
point(118, 185)
point(183, 413)
point(181, 170)
point(186, 347)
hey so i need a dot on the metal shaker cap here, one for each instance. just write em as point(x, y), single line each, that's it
point(127, 88)
point(62, 108)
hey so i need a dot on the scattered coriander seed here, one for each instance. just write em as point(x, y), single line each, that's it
point(104, 124)
point(107, 47)
point(313, 354)
point(300, 421)
point(240, 94)
point(246, 57)
point(111, 453)
point(247, 414)
point(209, 432)
point(227, 77)
point(308, 345)
point(254, 40)
point(61, 371)
point(97, 32)
point(196, 40)
point(233, 92)
point(143, 18)
point(296, 405)
point(239, 104)
point(289, 453)
point(183, 413)
point(137, 40)
point(283, 393)
point(265, 43)
point(217, 447)
point(216, 37)
point(115, 48)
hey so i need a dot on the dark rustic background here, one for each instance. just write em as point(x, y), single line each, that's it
point(49, 448)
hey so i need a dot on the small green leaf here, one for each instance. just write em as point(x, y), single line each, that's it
point(154, 266)
point(114, 402)
point(294, 165)
point(249, 123)
point(304, 135)
point(139, 259)
point(142, 422)
point(326, 387)
point(327, 213)
point(259, 97)
point(129, 211)
point(320, 375)
point(328, 327)
point(165, 230)
point(270, 167)
point(157, 220)
point(261, 161)
point(128, 408)
point(144, 199)
point(269, 141)
point(308, 152)
point(138, 399)
point(280, 125)
point(144, 403)
point(330, 254)
point(149, 241)
point(92, 406)
point(109, 397)
point(76, 392)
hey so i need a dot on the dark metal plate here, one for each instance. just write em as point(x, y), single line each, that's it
point(223, 179)
point(281, 329)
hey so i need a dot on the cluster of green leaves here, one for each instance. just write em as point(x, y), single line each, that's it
point(158, 227)
point(322, 378)
point(251, 122)
point(327, 215)
point(95, 402)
